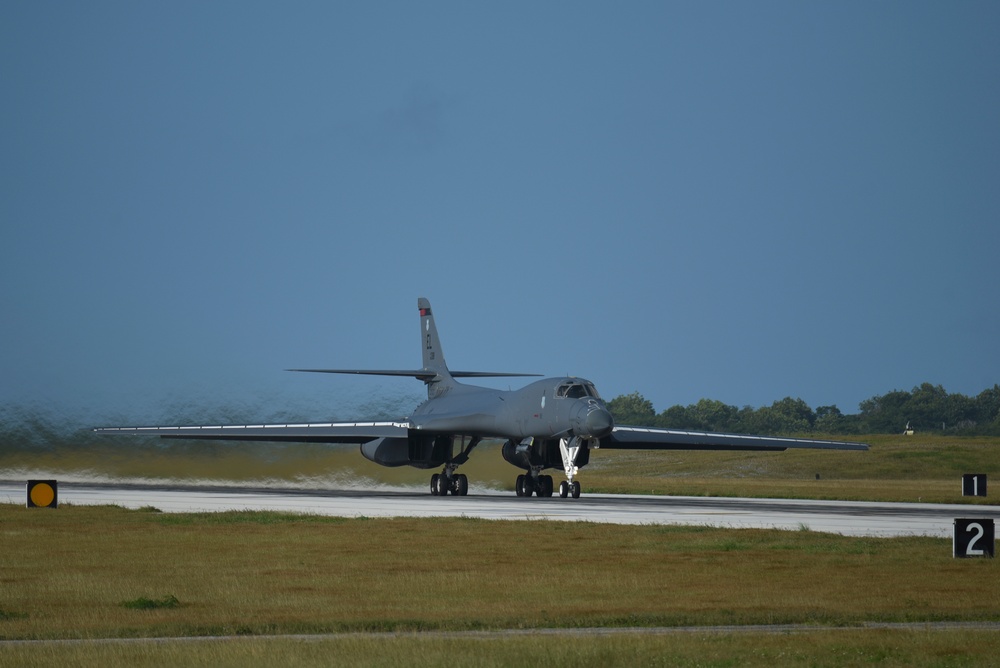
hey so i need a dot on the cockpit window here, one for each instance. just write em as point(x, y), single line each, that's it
point(577, 391)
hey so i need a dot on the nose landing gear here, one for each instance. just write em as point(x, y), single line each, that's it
point(569, 449)
point(542, 485)
point(569, 489)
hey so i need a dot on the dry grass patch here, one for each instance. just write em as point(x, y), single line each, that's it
point(277, 573)
point(826, 648)
point(924, 468)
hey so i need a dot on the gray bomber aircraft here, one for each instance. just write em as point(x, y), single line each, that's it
point(552, 423)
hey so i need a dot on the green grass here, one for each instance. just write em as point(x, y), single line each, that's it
point(146, 603)
point(75, 566)
point(88, 572)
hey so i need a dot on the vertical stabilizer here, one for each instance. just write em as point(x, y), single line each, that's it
point(431, 348)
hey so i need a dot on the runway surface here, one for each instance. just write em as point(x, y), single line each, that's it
point(842, 517)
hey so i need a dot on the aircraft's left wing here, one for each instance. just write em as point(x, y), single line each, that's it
point(312, 432)
point(652, 438)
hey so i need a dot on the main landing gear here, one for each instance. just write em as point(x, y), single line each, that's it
point(442, 484)
point(449, 482)
point(526, 485)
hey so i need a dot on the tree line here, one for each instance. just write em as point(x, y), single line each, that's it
point(925, 408)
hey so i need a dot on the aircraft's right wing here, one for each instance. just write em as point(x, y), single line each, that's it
point(653, 438)
point(312, 432)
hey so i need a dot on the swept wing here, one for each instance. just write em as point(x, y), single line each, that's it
point(652, 438)
point(311, 432)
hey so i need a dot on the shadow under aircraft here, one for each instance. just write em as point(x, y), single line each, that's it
point(551, 423)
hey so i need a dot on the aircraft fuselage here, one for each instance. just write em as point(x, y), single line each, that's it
point(548, 408)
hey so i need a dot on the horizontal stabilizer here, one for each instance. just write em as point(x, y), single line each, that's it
point(422, 374)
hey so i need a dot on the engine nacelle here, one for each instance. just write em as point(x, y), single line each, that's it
point(419, 451)
point(540, 452)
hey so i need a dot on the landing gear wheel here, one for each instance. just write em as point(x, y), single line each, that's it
point(461, 485)
point(525, 485)
point(546, 485)
point(563, 489)
point(434, 484)
point(519, 485)
point(576, 489)
point(442, 485)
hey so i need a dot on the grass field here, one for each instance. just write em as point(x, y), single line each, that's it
point(77, 572)
point(897, 468)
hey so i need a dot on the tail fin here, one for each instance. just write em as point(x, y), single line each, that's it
point(434, 364)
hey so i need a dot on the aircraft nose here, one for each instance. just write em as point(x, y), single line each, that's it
point(599, 423)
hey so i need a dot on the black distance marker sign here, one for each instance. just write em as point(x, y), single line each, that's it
point(973, 538)
point(974, 484)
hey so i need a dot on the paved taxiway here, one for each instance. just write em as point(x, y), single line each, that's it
point(843, 517)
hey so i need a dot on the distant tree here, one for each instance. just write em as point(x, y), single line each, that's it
point(885, 414)
point(632, 409)
point(929, 407)
point(745, 420)
point(712, 415)
point(987, 407)
point(675, 417)
point(926, 407)
point(796, 415)
point(829, 419)
point(782, 417)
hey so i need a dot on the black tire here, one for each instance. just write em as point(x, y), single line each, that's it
point(563, 489)
point(546, 481)
point(461, 485)
point(434, 484)
point(576, 489)
point(443, 486)
point(519, 485)
point(525, 485)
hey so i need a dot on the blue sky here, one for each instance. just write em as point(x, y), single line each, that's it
point(741, 201)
